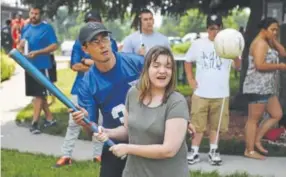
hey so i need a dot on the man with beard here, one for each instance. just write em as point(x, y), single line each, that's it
point(39, 40)
point(145, 38)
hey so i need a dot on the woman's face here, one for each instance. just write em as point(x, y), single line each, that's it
point(160, 72)
point(272, 31)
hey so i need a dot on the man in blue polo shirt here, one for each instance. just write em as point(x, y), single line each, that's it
point(105, 85)
point(40, 41)
point(80, 63)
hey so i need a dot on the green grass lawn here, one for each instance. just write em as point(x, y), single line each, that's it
point(14, 164)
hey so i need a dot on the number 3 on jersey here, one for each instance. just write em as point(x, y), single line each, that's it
point(118, 112)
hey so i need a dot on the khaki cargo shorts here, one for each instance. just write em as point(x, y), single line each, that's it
point(206, 111)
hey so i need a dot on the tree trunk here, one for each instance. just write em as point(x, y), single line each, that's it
point(256, 6)
point(283, 73)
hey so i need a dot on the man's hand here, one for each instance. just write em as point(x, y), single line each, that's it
point(32, 54)
point(87, 62)
point(191, 129)
point(194, 84)
point(142, 51)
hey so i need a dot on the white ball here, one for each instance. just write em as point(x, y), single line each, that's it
point(229, 43)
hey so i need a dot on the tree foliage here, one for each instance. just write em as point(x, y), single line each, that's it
point(116, 8)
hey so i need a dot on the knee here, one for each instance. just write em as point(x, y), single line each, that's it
point(277, 116)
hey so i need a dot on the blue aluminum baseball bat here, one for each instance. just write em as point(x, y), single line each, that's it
point(43, 80)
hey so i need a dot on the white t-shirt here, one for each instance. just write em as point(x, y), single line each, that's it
point(212, 72)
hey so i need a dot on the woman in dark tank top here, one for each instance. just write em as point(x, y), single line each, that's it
point(261, 85)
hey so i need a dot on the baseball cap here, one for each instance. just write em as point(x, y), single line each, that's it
point(214, 19)
point(92, 15)
point(89, 30)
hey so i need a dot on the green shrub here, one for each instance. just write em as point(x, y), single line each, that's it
point(181, 48)
point(7, 67)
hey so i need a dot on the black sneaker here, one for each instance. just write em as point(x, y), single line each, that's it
point(49, 123)
point(35, 128)
point(193, 157)
point(214, 157)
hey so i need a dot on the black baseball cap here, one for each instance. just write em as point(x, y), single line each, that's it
point(92, 15)
point(89, 30)
point(214, 19)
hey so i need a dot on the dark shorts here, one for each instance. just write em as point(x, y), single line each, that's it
point(258, 98)
point(111, 166)
point(53, 70)
point(33, 88)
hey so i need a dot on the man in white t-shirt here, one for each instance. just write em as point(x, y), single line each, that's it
point(145, 38)
point(210, 86)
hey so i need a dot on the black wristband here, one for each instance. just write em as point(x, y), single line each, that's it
point(82, 61)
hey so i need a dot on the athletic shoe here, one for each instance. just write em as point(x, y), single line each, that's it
point(97, 159)
point(214, 157)
point(193, 157)
point(35, 128)
point(49, 123)
point(63, 161)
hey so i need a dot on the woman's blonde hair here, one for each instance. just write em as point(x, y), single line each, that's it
point(144, 85)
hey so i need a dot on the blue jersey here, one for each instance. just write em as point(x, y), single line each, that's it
point(107, 91)
point(77, 55)
point(39, 37)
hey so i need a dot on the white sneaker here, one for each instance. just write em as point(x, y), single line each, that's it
point(214, 157)
point(193, 158)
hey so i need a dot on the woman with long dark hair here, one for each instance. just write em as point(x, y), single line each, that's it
point(261, 87)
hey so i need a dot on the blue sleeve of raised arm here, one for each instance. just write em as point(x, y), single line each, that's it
point(86, 101)
point(77, 53)
point(114, 45)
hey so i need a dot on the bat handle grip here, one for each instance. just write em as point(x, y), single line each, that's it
point(94, 128)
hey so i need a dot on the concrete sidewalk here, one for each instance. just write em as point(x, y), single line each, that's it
point(13, 99)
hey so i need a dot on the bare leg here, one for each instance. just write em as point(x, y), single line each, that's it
point(196, 141)
point(46, 109)
point(37, 103)
point(255, 111)
point(275, 111)
point(213, 137)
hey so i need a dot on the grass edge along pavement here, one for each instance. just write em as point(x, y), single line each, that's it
point(14, 164)
point(65, 80)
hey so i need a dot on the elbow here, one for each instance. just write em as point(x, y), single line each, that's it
point(74, 68)
point(168, 153)
point(259, 67)
point(55, 47)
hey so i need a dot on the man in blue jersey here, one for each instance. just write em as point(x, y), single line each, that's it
point(80, 63)
point(105, 85)
point(41, 41)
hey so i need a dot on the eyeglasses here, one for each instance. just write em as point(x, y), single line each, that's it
point(97, 42)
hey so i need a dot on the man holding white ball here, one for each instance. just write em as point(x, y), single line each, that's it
point(210, 99)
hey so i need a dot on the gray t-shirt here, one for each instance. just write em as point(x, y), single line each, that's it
point(132, 43)
point(146, 126)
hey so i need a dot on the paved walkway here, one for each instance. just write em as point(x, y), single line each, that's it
point(12, 100)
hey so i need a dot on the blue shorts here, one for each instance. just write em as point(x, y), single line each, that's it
point(258, 98)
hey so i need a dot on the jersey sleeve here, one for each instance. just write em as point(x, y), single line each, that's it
point(86, 101)
point(77, 53)
point(114, 45)
point(51, 35)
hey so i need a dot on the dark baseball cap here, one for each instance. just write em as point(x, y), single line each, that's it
point(214, 19)
point(92, 15)
point(91, 29)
